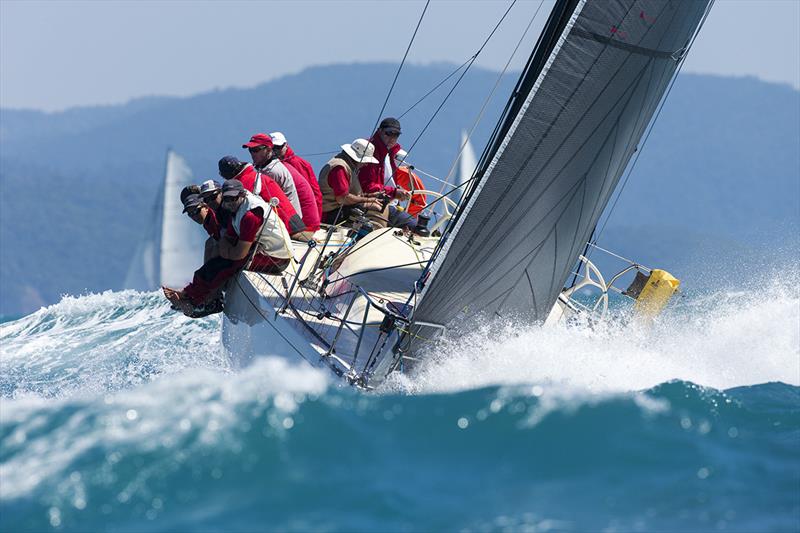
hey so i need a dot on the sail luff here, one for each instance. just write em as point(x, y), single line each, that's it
point(556, 157)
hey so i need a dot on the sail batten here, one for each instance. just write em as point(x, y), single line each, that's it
point(593, 84)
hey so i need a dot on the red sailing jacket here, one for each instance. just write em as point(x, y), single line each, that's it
point(371, 176)
point(308, 204)
point(270, 189)
point(307, 171)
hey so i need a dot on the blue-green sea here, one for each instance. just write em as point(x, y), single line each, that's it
point(117, 414)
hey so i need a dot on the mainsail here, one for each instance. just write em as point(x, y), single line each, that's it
point(172, 247)
point(588, 92)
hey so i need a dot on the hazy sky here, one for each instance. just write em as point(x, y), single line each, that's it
point(59, 54)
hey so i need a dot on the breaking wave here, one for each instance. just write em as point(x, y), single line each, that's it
point(118, 413)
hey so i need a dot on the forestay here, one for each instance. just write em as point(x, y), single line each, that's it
point(589, 91)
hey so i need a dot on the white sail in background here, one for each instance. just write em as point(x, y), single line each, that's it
point(467, 162)
point(172, 248)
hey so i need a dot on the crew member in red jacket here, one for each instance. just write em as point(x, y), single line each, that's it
point(287, 155)
point(372, 177)
point(264, 186)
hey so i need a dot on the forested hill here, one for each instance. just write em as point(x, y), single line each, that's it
point(720, 170)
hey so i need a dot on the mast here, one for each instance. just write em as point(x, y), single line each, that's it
point(588, 92)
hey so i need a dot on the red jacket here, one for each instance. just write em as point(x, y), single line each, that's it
point(371, 176)
point(307, 171)
point(308, 204)
point(269, 190)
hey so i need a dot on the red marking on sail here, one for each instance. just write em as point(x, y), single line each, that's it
point(644, 17)
point(618, 32)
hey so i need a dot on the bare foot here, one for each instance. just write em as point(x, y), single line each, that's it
point(172, 295)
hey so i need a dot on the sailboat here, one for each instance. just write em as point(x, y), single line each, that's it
point(366, 306)
point(467, 162)
point(172, 247)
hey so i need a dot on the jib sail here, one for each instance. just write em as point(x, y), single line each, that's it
point(590, 88)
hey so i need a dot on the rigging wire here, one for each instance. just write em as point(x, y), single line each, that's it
point(400, 68)
point(435, 87)
point(489, 97)
point(461, 77)
point(650, 129)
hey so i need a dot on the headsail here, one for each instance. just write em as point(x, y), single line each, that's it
point(578, 112)
point(172, 248)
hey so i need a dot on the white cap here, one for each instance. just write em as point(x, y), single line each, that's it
point(209, 186)
point(361, 151)
point(278, 138)
point(400, 157)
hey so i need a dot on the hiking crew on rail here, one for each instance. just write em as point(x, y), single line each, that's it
point(253, 216)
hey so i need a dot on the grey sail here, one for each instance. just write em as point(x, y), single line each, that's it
point(590, 89)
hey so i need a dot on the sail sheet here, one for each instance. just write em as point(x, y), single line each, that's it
point(172, 248)
point(589, 91)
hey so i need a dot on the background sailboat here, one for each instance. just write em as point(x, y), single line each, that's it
point(172, 247)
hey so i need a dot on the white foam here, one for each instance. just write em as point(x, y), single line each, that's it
point(722, 340)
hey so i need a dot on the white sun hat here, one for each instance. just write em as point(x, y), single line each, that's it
point(400, 157)
point(278, 138)
point(361, 150)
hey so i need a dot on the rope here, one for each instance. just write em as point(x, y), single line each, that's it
point(652, 123)
point(461, 77)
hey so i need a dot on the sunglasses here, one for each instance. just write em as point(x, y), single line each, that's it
point(229, 199)
point(392, 133)
point(193, 212)
point(256, 149)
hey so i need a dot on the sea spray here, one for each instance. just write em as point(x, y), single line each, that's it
point(725, 339)
point(118, 413)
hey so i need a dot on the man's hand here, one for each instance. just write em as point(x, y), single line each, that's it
point(372, 204)
point(402, 194)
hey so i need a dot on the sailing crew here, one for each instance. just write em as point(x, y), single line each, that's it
point(265, 187)
point(260, 148)
point(372, 177)
point(254, 239)
point(338, 181)
point(305, 192)
point(199, 211)
point(286, 154)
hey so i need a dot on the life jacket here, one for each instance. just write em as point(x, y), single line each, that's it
point(406, 179)
point(273, 239)
point(329, 202)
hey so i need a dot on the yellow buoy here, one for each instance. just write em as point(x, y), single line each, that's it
point(656, 293)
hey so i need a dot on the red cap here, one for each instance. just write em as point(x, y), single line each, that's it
point(259, 139)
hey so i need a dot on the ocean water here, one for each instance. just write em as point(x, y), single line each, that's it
point(117, 414)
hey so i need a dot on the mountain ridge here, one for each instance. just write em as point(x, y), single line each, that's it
point(715, 139)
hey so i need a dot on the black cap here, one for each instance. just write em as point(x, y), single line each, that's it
point(192, 201)
point(232, 188)
point(189, 189)
point(390, 122)
point(229, 166)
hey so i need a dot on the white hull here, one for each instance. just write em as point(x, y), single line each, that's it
point(342, 316)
